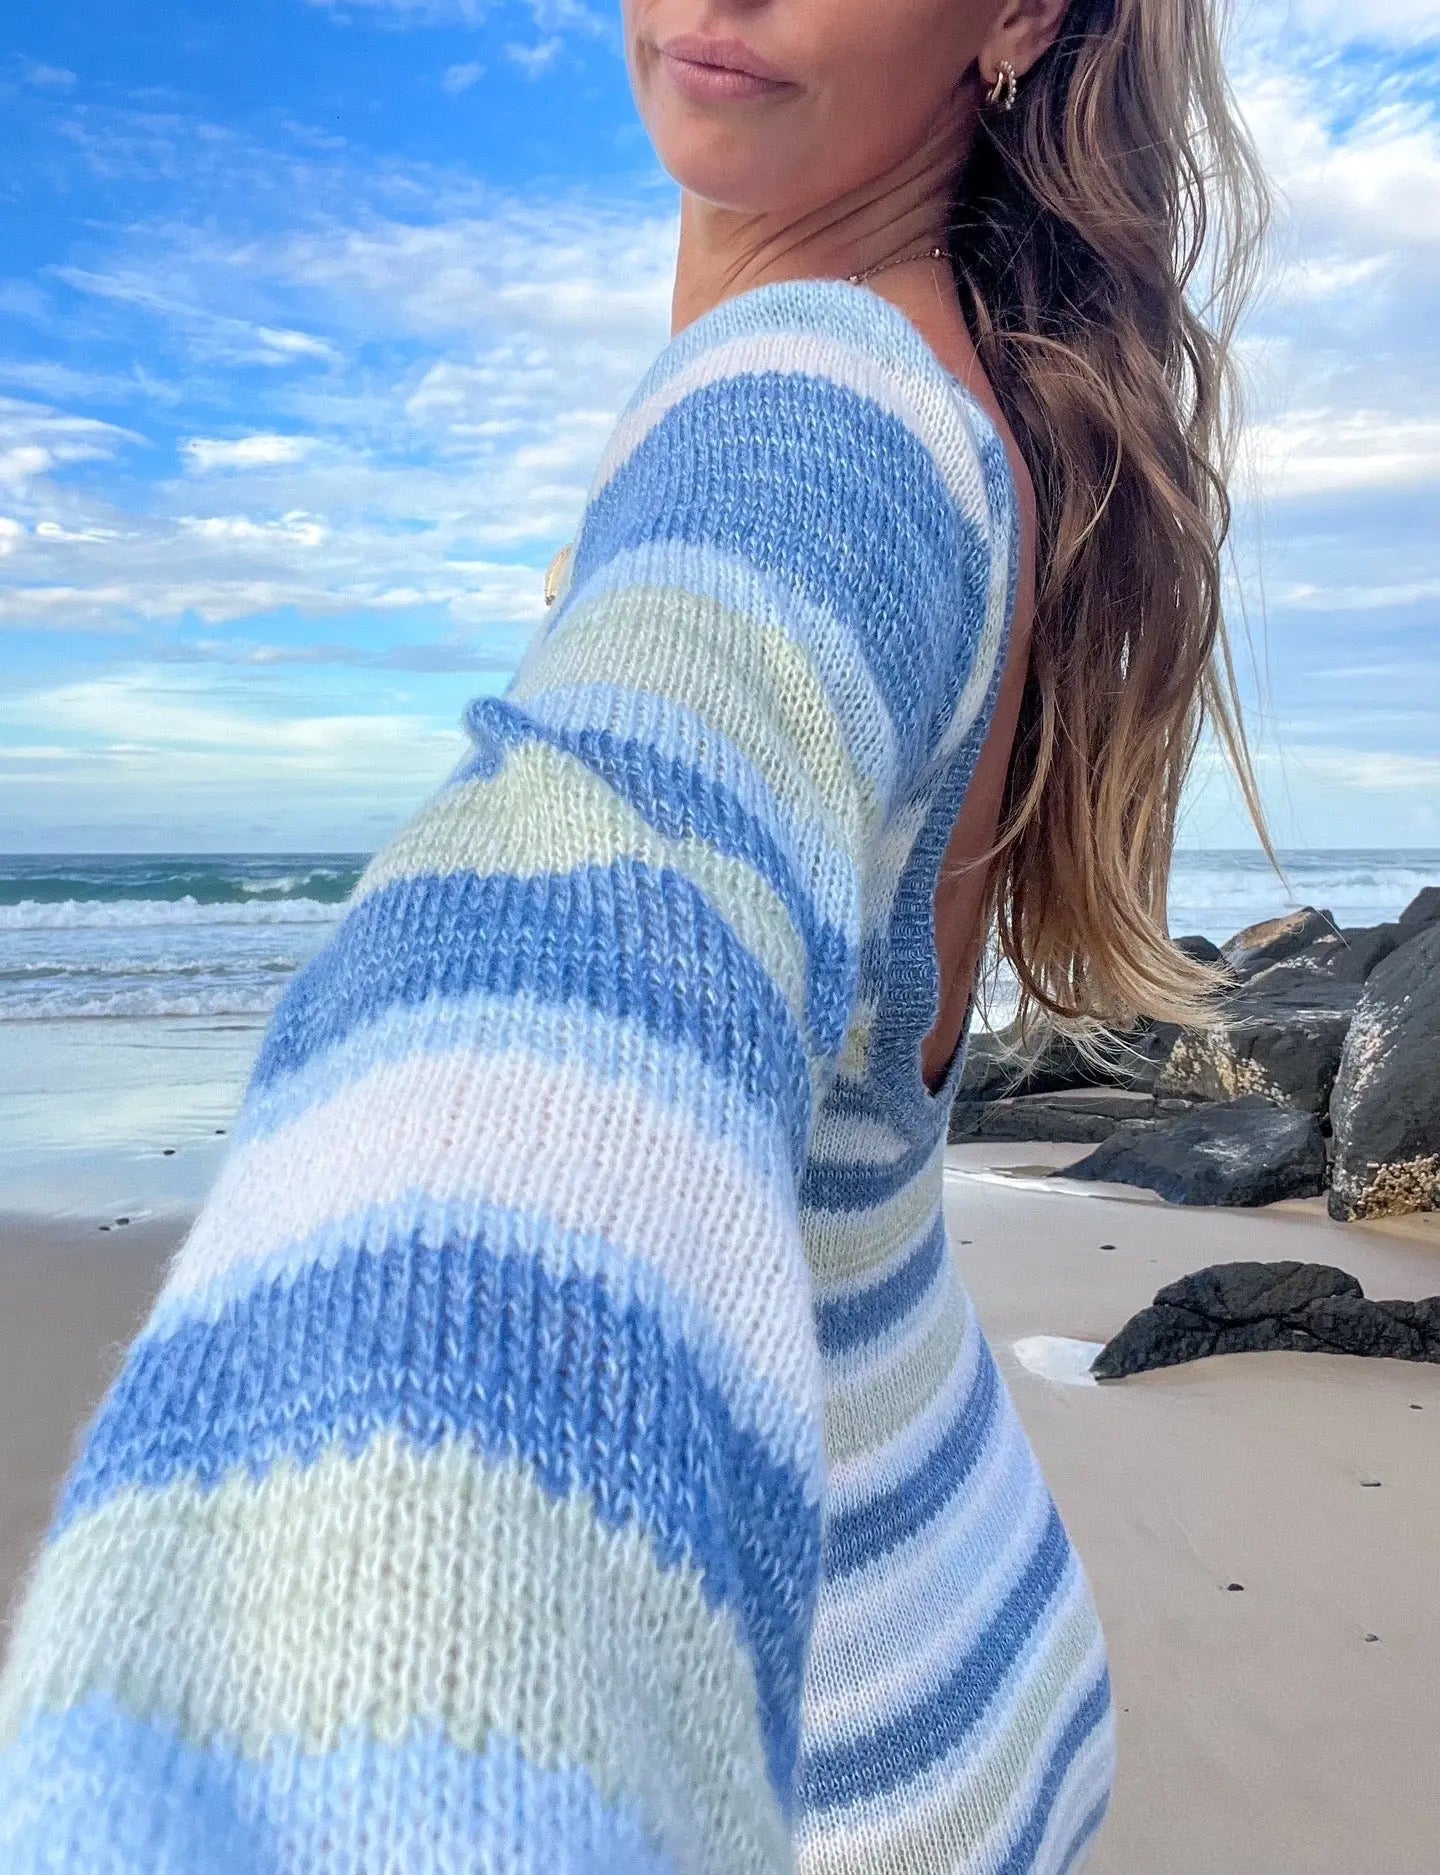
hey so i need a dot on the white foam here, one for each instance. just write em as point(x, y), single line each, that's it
point(1058, 1358)
point(100, 914)
point(60, 1005)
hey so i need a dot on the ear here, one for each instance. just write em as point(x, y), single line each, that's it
point(1022, 31)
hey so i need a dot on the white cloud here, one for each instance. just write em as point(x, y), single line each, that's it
point(509, 341)
point(62, 437)
point(140, 711)
point(264, 450)
point(1304, 596)
point(213, 335)
point(1330, 451)
point(413, 12)
point(187, 753)
point(36, 440)
point(297, 528)
point(535, 60)
point(74, 536)
point(11, 534)
point(1373, 771)
point(1406, 22)
point(459, 78)
point(20, 465)
point(548, 15)
point(46, 77)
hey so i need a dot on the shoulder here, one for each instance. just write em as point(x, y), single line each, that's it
point(822, 374)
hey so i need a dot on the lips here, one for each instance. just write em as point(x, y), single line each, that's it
point(731, 55)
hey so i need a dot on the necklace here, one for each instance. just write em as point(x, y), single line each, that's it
point(554, 570)
point(929, 253)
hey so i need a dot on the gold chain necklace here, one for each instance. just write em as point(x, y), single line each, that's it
point(556, 566)
point(929, 253)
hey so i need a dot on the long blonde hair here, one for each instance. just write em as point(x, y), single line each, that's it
point(1079, 222)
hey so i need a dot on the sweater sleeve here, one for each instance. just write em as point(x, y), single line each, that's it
point(458, 1506)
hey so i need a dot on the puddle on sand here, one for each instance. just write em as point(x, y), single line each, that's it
point(1052, 1178)
point(1058, 1358)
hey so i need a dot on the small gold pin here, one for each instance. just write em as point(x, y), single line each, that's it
point(553, 574)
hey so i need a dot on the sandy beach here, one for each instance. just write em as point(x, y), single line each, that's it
point(1261, 1732)
point(1285, 1727)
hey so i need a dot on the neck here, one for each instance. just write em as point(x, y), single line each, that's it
point(725, 251)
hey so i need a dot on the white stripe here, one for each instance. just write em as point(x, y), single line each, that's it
point(904, 1650)
point(702, 570)
point(859, 1835)
point(1032, 1688)
point(863, 1365)
point(847, 1607)
point(926, 401)
point(845, 1246)
point(560, 1139)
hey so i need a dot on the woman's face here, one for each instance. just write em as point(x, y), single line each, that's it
point(867, 83)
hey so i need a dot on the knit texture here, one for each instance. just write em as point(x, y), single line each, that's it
point(563, 1445)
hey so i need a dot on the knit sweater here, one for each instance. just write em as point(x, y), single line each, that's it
point(564, 1444)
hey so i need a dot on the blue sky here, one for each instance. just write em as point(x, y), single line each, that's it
point(313, 320)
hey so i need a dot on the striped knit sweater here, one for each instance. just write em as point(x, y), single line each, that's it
point(564, 1444)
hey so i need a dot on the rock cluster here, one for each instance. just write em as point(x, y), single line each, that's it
point(1324, 1072)
point(1232, 1308)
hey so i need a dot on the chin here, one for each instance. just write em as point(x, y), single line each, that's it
point(719, 165)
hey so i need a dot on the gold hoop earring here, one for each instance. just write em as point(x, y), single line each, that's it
point(1002, 92)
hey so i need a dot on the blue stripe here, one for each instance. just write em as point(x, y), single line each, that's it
point(94, 1789)
point(873, 1312)
point(595, 937)
point(851, 1184)
point(459, 1343)
point(1085, 1834)
point(895, 1752)
point(762, 1404)
point(1090, 1713)
point(681, 802)
point(779, 495)
point(861, 1536)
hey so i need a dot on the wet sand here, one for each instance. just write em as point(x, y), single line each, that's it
point(70, 1301)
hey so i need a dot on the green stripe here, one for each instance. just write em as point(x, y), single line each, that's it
point(870, 1413)
point(747, 679)
point(492, 825)
point(401, 1587)
point(841, 1247)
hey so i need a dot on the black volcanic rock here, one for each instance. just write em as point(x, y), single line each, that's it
point(1275, 940)
point(1385, 1108)
point(1077, 1114)
point(1201, 949)
point(1344, 956)
point(1422, 911)
point(1232, 1308)
point(1236, 1152)
point(1001, 1066)
point(1278, 1039)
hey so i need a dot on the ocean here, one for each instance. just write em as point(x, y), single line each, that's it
point(172, 935)
point(181, 935)
point(134, 990)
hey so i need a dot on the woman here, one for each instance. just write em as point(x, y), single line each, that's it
point(564, 1442)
